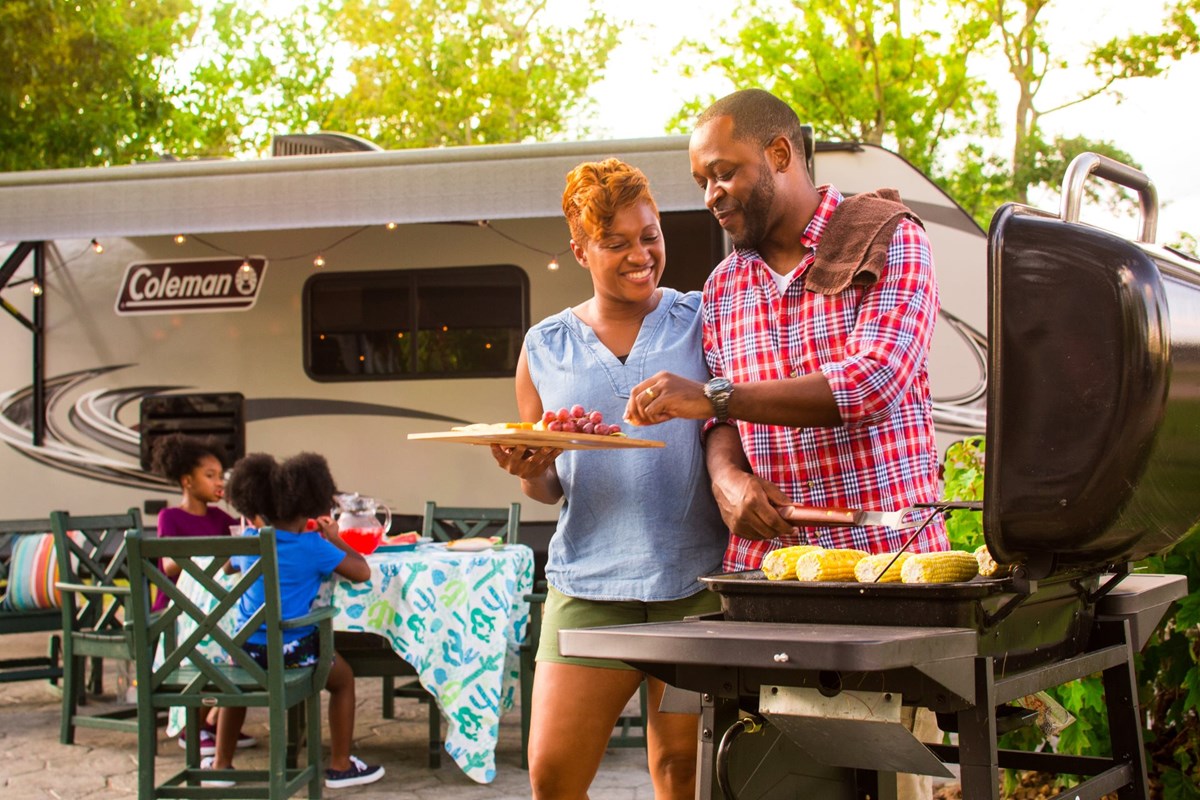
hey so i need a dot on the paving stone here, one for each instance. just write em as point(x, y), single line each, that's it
point(102, 765)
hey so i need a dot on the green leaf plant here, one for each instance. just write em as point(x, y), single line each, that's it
point(1168, 666)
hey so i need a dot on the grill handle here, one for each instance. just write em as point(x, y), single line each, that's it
point(819, 516)
point(1086, 164)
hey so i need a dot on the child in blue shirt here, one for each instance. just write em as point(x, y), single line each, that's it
point(286, 495)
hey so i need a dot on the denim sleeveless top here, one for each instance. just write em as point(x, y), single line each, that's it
point(635, 524)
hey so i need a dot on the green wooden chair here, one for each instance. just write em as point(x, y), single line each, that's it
point(27, 620)
point(445, 523)
point(185, 676)
point(94, 583)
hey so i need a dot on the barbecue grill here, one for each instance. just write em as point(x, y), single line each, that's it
point(1093, 432)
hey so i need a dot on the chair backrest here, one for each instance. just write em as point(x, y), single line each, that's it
point(212, 617)
point(91, 552)
point(445, 523)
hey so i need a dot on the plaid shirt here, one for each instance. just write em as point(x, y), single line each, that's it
point(872, 345)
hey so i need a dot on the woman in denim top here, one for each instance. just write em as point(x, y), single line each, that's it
point(637, 526)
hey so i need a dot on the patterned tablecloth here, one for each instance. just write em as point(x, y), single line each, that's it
point(458, 617)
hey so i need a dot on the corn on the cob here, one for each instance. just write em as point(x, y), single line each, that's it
point(950, 566)
point(828, 565)
point(780, 565)
point(868, 569)
point(988, 567)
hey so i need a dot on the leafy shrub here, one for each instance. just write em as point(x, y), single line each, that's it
point(1168, 667)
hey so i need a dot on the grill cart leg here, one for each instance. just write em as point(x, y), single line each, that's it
point(978, 759)
point(717, 715)
point(1124, 722)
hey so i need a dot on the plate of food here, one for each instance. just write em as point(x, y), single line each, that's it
point(572, 428)
point(473, 544)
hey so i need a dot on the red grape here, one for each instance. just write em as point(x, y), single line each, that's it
point(577, 411)
point(600, 429)
point(614, 429)
point(563, 415)
point(569, 426)
point(587, 428)
point(554, 426)
point(548, 417)
point(595, 417)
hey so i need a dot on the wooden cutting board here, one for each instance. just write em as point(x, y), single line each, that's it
point(519, 437)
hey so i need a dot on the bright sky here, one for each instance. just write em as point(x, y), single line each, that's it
point(1155, 122)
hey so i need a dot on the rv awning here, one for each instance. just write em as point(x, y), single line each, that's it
point(323, 191)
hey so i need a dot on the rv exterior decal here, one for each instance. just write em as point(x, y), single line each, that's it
point(161, 287)
point(90, 441)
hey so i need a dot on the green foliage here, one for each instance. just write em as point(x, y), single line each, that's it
point(962, 476)
point(81, 81)
point(428, 73)
point(1168, 667)
point(851, 71)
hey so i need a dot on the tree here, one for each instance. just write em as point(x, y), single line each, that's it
point(80, 81)
point(1020, 35)
point(854, 73)
point(446, 72)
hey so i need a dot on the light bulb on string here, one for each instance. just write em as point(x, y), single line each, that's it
point(180, 238)
point(245, 267)
point(319, 261)
point(99, 248)
point(553, 265)
point(35, 289)
point(391, 226)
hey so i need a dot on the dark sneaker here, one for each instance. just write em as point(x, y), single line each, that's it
point(208, 742)
point(358, 774)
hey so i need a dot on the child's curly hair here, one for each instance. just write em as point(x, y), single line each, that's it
point(177, 454)
point(596, 191)
point(300, 487)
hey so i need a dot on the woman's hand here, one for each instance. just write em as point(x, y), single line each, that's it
point(535, 467)
point(527, 463)
point(666, 396)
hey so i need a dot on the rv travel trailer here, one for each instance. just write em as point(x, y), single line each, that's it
point(339, 301)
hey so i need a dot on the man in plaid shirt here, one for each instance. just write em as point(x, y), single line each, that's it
point(828, 392)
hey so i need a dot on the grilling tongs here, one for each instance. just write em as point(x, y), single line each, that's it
point(911, 517)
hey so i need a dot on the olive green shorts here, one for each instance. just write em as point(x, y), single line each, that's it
point(563, 612)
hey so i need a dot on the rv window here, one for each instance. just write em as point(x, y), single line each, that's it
point(456, 322)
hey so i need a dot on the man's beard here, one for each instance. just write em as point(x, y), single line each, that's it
point(755, 212)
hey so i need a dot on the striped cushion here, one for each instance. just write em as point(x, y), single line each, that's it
point(32, 573)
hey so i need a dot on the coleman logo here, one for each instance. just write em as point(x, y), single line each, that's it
point(174, 287)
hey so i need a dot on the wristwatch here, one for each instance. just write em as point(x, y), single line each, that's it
point(718, 392)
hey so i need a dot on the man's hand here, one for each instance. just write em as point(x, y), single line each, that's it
point(527, 463)
point(666, 396)
point(750, 505)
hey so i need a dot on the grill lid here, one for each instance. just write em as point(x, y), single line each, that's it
point(1093, 410)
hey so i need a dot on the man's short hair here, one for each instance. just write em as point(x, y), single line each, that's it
point(758, 116)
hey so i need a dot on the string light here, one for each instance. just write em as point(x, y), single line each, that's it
point(319, 261)
point(35, 289)
point(180, 238)
point(553, 265)
point(391, 226)
point(99, 248)
point(245, 267)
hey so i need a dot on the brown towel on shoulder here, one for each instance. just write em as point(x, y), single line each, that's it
point(854, 246)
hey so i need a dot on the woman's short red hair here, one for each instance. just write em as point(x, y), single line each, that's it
point(596, 190)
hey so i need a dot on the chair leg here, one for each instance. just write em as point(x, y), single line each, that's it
point(314, 746)
point(55, 654)
point(435, 733)
point(72, 689)
point(389, 697)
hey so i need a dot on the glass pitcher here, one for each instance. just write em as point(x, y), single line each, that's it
point(362, 521)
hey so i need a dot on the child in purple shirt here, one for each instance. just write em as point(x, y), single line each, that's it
point(196, 465)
